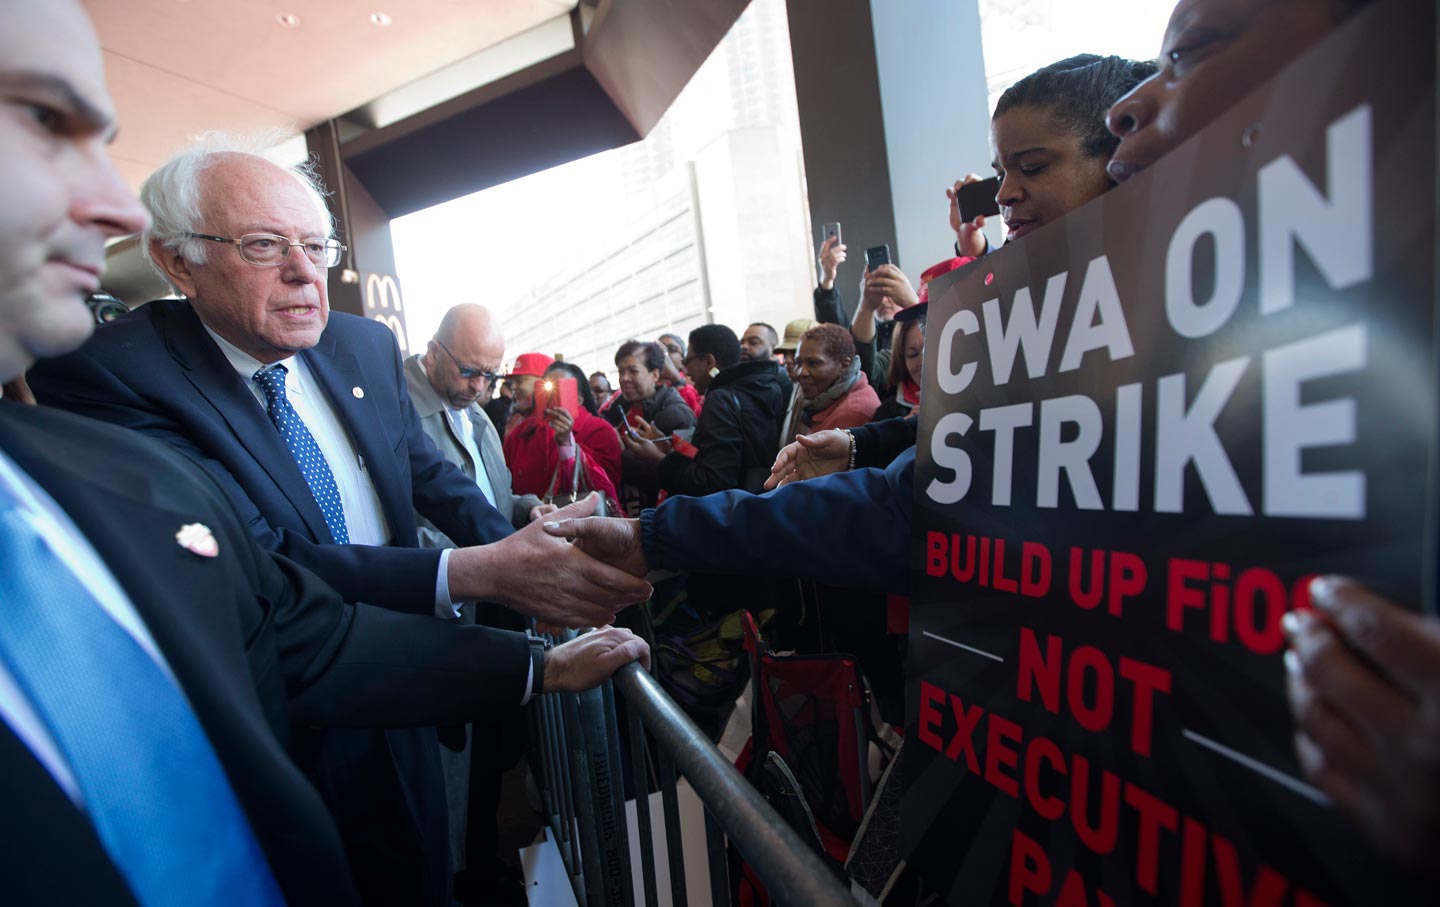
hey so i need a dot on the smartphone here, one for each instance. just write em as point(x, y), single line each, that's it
point(832, 229)
point(875, 256)
point(978, 199)
point(561, 392)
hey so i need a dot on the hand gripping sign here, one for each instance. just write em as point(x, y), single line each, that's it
point(1144, 428)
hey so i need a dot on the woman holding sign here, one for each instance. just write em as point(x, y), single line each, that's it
point(1363, 671)
point(1051, 150)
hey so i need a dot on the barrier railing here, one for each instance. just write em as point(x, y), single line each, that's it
point(578, 738)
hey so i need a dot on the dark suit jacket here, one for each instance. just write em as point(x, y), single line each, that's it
point(157, 371)
point(255, 641)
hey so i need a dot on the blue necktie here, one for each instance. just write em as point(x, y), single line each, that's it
point(153, 786)
point(305, 451)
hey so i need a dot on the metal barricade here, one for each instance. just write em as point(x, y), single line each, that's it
point(577, 737)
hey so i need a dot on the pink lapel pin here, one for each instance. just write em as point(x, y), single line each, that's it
point(198, 539)
point(359, 392)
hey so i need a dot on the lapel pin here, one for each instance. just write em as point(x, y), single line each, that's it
point(359, 392)
point(198, 539)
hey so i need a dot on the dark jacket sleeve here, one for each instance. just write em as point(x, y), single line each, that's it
point(363, 666)
point(830, 308)
point(675, 415)
point(805, 530)
point(718, 464)
point(877, 444)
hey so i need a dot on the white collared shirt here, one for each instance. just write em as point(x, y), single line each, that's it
point(364, 518)
point(465, 429)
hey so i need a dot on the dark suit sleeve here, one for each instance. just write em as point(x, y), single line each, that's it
point(401, 578)
point(362, 666)
point(850, 528)
point(717, 465)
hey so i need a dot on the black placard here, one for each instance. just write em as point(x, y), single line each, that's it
point(1229, 387)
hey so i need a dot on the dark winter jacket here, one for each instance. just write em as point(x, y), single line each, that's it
point(667, 411)
point(737, 435)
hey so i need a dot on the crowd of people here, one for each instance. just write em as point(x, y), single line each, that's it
point(244, 660)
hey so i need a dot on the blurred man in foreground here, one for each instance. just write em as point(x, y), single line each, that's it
point(152, 656)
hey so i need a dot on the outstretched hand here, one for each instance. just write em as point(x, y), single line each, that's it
point(614, 540)
point(1363, 678)
point(588, 659)
point(542, 576)
point(809, 456)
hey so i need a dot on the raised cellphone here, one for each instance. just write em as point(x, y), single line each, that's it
point(832, 228)
point(875, 256)
point(563, 392)
point(978, 199)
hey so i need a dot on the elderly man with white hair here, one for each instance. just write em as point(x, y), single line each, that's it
point(303, 417)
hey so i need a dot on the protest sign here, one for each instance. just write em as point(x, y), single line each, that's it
point(1144, 427)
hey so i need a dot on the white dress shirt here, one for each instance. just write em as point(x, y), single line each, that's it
point(465, 430)
point(364, 518)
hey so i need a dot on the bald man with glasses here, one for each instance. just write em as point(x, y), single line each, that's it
point(448, 382)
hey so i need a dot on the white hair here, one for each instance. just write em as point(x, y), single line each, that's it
point(172, 193)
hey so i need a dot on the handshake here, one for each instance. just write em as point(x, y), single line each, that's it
point(616, 541)
point(573, 569)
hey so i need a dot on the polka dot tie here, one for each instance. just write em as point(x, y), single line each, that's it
point(304, 449)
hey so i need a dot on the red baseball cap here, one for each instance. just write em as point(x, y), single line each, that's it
point(530, 364)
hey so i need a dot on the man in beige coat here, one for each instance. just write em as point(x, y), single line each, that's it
point(447, 383)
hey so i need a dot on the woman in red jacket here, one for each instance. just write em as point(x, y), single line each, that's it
point(541, 449)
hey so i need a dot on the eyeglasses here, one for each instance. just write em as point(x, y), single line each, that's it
point(270, 251)
point(466, 371)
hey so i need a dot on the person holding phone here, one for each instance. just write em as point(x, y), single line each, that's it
point(735, 438)
point(560, 425)
point(644, 400)
point(829, 308)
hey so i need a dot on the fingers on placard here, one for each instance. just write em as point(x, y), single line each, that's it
point(1404, 646)
point(1346, 683)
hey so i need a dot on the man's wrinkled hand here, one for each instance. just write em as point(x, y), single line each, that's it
point(809, 456)
point(587, 660)
point(546, 577)
point(1363, 679)
point(614, 540)
point(540, 510)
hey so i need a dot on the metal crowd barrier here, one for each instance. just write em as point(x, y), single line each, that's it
point(577, 739)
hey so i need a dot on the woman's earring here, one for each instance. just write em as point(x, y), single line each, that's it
point(714, 372)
